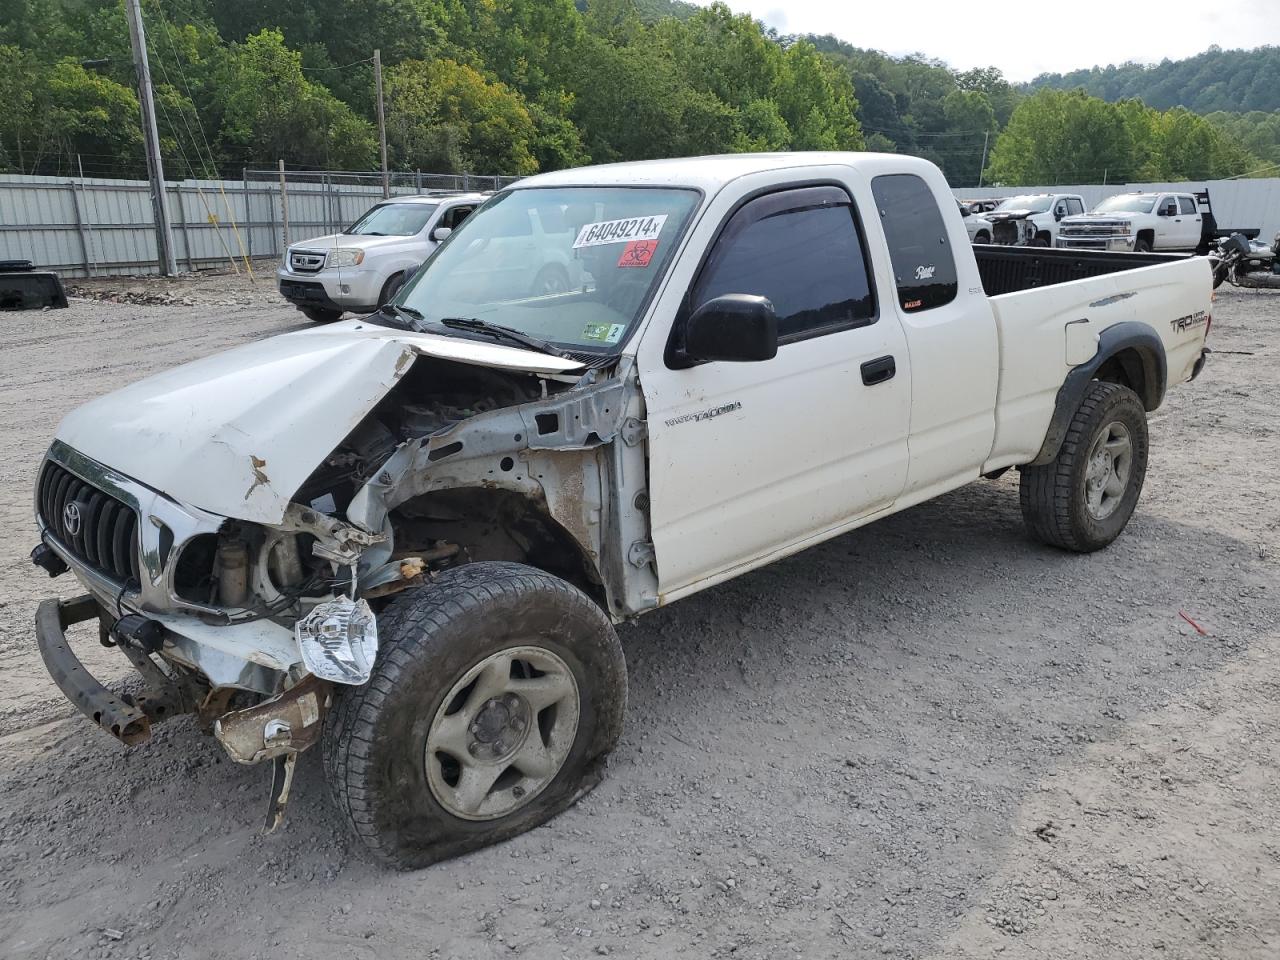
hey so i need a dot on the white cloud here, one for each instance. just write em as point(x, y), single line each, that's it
point(1025, 39)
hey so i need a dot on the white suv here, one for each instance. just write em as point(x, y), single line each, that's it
point(362, 268)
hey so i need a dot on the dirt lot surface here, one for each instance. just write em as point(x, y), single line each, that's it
point(927, 739)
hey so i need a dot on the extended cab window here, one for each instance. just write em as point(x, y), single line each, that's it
point(923, 266)
point(1074, 206)
point(1187, 205)
point(802, 250)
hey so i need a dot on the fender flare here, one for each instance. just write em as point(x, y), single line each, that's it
point(1127, 335)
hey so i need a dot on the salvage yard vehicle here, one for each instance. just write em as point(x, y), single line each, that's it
point(408, 537)
point(1137, 222)
point(977, 226)
point(362, 268)
point(1032, 220)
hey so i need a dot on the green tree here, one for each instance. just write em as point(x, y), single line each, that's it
point(1055, 137)
point(270, 109)
point(446, 116)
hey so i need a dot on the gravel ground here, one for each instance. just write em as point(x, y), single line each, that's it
point(930, 738)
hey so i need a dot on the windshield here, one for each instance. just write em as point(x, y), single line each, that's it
point(1126, 205)
point(393, 220)
point(573, 266)
point(1034, 204)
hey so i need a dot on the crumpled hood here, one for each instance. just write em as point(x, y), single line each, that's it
point(237, 433)
point(1008, 215)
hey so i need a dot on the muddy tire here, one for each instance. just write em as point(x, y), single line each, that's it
point(498, 691)
point(1083, 499)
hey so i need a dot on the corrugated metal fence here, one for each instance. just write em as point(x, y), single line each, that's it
point(95, 227)
point(1236, 203)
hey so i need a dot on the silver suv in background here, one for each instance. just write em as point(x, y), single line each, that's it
point(362, 268)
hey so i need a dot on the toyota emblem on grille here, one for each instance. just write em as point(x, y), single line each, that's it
point(71, 519)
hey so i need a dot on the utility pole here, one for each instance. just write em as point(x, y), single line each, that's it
point(284, 207)
point(382, 123)
point(983, 169)
point(151, 138)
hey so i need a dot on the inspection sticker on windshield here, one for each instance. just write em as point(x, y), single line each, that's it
point(620, 231)
point(606, 332)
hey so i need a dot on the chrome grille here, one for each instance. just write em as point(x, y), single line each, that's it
point(99, 529)
point(306, 261)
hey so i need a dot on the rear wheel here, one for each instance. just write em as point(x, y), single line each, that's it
point(320, 315)
point(1084, 497)
point(497, 693)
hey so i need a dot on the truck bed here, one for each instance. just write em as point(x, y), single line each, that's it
point(1010, 269)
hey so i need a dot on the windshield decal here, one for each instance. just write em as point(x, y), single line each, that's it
point(604, 332)
point(638, 253)
point(620, 231)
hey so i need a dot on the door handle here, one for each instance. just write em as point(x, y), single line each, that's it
point(878, 370)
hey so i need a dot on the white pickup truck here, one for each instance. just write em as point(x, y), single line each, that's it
point(408, 536)
point(1032, 220)
point(1140, 223)
point(362, 268)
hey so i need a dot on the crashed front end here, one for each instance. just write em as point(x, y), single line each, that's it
point(200, 605)
point(253, 624)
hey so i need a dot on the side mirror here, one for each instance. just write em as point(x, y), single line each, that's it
point(736, 327)
point(1059, 214)
point(441, 233)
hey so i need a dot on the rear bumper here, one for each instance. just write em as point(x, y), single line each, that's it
point(1200, 363)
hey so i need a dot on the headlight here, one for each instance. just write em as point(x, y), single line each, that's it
point(1125, 226)
point(346, 257)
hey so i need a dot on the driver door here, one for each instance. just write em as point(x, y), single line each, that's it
point(750, 460)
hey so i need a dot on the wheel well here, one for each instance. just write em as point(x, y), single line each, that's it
point(1046, 236)
point(1132, 368)
point(1149, 236)
point(491, 524)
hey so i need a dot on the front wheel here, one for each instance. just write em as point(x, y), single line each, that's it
point(1143, 245)
point(497, 692)
point(1084, 497)
point(982, 237)
point(321, 315)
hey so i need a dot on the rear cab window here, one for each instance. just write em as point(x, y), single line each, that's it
point(924, 268)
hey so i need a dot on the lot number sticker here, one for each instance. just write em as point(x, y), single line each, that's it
point(620, 231)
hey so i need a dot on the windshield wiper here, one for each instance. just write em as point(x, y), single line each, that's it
point(499, 332)
point(414, 318)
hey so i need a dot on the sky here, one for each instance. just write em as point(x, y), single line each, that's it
point(1021, 38)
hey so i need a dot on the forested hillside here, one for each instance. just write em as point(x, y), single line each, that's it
point(1231, 80)
point(517, 86)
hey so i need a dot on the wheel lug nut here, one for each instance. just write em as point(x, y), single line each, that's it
point(473, 748)
point(517, 791)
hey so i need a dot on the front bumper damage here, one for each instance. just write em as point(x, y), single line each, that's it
point(288, 722)
point(278, 728)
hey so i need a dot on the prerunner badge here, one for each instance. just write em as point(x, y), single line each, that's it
point(620, 231)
